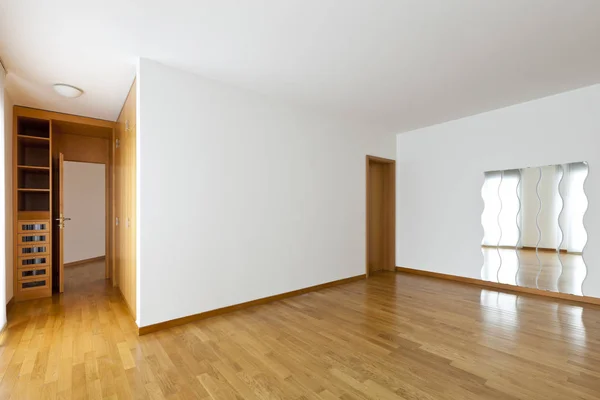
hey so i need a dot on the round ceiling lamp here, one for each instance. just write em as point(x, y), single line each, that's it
point(67, 90)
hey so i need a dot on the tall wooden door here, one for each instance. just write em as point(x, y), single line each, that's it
point(118, 203)
point(125, 201)
point(125, 204)
point(381, 215)
point(59, 226)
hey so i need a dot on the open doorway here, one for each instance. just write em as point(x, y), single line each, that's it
point(84, 236)
point(381, 215)
point(81, 208)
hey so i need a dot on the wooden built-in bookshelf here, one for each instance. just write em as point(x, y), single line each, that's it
point(32, 200)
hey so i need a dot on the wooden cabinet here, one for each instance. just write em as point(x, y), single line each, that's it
point(32, 202)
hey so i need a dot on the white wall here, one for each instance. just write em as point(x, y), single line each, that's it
point(8, 209)
point(84, 202)
point(440, 175)
point(241, 197)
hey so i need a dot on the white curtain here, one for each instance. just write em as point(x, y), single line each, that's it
point(491, 208)
point(501, 205)
point(510, 216)
point(575, 205)
point(512, 207)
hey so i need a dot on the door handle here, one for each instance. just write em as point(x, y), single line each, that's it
point(61, 221)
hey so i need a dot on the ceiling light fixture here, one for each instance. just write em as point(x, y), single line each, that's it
point(67, 90)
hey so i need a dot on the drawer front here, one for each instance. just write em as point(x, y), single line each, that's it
point(33, 284)
point(33, 226)
point(33, 249)
point(33, 261)
point(33, 238)
point(33, 273)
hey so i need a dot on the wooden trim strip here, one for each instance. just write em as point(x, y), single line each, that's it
point(381, 159)
point(10, 304)
point(22, 111)
point(131, 313)
point(502, 286)
point(219, 311)
point(490, 246)
point(543, 249)
point(87, 260)
point(528, 248)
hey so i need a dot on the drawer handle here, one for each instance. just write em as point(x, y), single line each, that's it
point(33, 250)
point(36, 238)
point(33, 227)
point(33, 272)
point(33, 261)
point(27, 285)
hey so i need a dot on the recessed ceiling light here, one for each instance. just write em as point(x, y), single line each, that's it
point(67, 90)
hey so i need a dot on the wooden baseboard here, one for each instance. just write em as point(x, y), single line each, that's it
point(489, 246)
point(502, 286)
point(10, 304)
point(213, 313)
point(131, 313)
point(544, 250)
point(541, 249)
point(88, 260)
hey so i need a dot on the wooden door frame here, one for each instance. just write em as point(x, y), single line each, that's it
point(391, 164)
point(108, 189)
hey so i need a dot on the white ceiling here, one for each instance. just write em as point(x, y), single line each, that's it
point(399, 64)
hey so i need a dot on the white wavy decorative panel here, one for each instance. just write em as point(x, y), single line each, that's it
point(533, 227)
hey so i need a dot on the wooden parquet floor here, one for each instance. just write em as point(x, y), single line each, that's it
point(394, 336)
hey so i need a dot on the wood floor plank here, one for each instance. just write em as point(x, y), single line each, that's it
point(125, 354)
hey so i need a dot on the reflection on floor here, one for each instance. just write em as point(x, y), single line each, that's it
point(392, 336)
point(563, 273)
point(85, 277)
point(63, 347)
